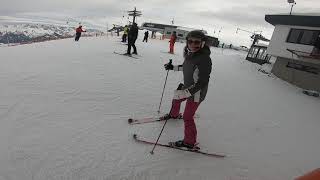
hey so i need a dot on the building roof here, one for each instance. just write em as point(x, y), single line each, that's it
point(156, 26)
point(191, 29)
point(309, 20)
point(261, 45)
point(185, 28)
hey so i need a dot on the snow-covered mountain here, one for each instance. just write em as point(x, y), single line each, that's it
point(26, 30)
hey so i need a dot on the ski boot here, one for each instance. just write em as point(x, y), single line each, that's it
point(182, 144)
point(168, 116)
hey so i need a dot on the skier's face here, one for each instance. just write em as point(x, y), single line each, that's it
point(194, 44)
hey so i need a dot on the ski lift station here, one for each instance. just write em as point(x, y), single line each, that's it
point(295, 45)
point(182, 32)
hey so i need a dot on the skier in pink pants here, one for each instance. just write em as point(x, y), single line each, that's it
point(196, 70)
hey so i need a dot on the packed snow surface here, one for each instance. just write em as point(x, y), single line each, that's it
point(64, 107)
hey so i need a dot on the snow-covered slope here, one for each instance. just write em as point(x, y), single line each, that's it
point(64, 109)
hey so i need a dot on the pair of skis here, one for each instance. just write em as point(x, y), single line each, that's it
point(133, 121)
point(170, 144)
point(124, 54)
point(167, 52)
point(144, 120)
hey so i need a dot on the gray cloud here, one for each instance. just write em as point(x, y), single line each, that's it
point(241, 16)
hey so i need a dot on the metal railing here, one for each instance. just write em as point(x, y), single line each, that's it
point(315, 54)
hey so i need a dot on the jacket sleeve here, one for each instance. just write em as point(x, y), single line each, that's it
point(178, 68)
point(204, 68)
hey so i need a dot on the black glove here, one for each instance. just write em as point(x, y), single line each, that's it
point(181, 86)
point(169, 65)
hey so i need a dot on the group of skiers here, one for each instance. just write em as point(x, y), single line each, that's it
point(196, 70)
point(131, 34)
point(132, 37)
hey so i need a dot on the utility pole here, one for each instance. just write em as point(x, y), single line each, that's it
point(135, 14)
point(292, 3)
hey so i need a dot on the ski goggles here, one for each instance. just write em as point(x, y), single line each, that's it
point(195, 42)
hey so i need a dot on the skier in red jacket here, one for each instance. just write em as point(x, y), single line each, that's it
point(79, 30)
point(173, 39)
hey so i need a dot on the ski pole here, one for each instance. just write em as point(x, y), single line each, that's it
point(164, 86)
point(179, 88)
point(151, 152)
point(165, 82)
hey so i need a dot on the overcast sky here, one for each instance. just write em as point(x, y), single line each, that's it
point(211, 15)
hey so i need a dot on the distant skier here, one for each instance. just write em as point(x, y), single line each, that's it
point(196, 73)
point(316, 50)
point(118, 32)
point(146, 35)
point(79, 30)
point(173, 39)
point(125, 34)
point(132, 37)
point(153, 34)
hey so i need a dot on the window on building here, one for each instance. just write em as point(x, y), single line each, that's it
point(168, 32)
point(180, 35)
point(302, 36)
point(253, 52)
point(294, 35)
